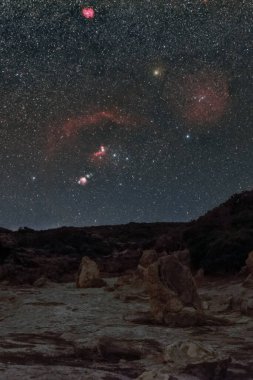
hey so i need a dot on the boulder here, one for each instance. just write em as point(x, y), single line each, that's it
point(185, 352)
point(183, 256)
point(248, 283)
point(194, 358)
point(189, 361)
point(246, 307)
point(173, 295)
point(249, 262)
point(170, 275)
point(89, 275)
point(199, 277)
point(170, 287)
point(148, 257)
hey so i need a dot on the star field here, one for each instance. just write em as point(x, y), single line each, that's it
point(119, 111)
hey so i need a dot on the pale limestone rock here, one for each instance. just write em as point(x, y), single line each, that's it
point(188, 352)
point(174, 299)
point(170, 287)
point(148, 257)
point(197, 358)
point(88, 275)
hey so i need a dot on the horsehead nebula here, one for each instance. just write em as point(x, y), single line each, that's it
point(100, 153)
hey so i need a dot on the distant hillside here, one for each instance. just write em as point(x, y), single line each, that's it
point(221, 240)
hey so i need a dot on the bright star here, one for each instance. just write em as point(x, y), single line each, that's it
point(156, 72)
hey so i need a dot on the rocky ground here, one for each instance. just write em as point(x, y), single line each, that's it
point(59, 331)
point(121, 302)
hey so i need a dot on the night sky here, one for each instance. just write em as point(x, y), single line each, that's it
point(122, 110)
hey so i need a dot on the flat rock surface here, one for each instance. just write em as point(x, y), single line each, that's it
point(60, 332)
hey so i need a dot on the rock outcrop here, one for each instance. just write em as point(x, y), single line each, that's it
point(249, 267)
point(127, 349)
point(183, 256)
point(148, 257)
point(190, 361)
point(249, 262)
point(197, 359)
point(174, 299)
point(89, 275)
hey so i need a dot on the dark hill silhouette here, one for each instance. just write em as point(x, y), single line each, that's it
point(219, 242)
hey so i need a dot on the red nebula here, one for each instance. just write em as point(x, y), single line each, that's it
point(99, 155)
point(82, 181)
point(207, 99)
point(88, 13)
point(201, 97)
point(72, 126)
point(69, 130)
point(101, 152)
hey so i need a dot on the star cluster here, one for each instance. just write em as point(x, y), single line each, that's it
point(127, 110)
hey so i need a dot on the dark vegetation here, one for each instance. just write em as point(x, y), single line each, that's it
point(219, 242)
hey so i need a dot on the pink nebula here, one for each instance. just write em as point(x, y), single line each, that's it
point(82, 181)
point(207, 98)
point(101, 152)
point(88, 13)
point(65, 132)
point(201, 97)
